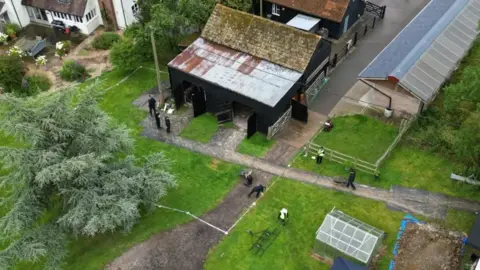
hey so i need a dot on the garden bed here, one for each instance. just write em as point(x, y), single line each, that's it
point(426, 247)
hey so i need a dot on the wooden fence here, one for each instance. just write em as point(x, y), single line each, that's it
point(312, 149)
point(404, 126)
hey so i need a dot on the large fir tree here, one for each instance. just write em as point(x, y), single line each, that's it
point(72, 175)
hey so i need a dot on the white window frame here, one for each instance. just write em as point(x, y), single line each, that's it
point(91, 15)
point(275, 9)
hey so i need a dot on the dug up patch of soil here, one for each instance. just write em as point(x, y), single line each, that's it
point(425, 247)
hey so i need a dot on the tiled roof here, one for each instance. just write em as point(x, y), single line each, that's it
point(76, 7)
point(333, 10)
point(275, 42)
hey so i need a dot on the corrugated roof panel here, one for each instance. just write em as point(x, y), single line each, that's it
point(303, 22)
point(238, 72)
point(446, 51)
point(404, 43)
point(443, 55)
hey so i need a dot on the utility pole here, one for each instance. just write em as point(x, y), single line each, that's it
point(157, 68)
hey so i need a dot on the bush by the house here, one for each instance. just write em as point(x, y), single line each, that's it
point(11, 29)
point(105, 41)
point(16, 51)
point(72, 71)
point(3, 38)
point(63, 47)
point(124, 56)
point(11, 72)
point(36, 84)
point(41, 61)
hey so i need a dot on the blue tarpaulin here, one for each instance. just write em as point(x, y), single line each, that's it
point(344, 264)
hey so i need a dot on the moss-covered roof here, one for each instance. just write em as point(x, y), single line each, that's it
point(333, 10)
point(275, 42)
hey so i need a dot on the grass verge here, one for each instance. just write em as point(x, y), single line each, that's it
point(193, 172)
point(201, 128)
point(359, 136)
point(308, 206)
point(256, 146)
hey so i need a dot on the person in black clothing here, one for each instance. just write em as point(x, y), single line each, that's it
point(167, 124)
point(249, 180)
point(157, 119)
point(258, 189)
point(151, 105)
point(351, 179)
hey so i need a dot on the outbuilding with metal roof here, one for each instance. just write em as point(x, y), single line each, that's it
point(421, 58)
point(243, 64)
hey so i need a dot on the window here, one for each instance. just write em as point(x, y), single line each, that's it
point(135, 9)
point(90, 15)
point(78, 19)
point(275, 9)
point(64, 1)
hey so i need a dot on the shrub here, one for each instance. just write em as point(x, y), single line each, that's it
point(105, 41)
point(33, 85)
point(62, 48)
point(11, 72)
point(11, 28)
point(124, 56)
point(72, 71)
point(3, 38)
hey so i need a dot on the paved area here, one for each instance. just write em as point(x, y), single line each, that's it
point(398, 15)
point(297, 134)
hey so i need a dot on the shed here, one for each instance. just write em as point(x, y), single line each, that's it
point(341, 235)
point(245, 65)
point(420, 59)
point(335, 15)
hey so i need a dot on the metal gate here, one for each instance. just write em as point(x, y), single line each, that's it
point(275, 128)
point(376, 10)
point(199, 102)
point(251, 125)
point(315, 87)
point(299, 111)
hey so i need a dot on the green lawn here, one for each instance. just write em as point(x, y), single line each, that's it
point(308, 206)
point(359, 136)
point(202, 181)
point(406, 166)
point(256, 146)
point(201, 128)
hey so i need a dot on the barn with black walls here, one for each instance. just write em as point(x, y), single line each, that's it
point(335, 15)
point(242, 60)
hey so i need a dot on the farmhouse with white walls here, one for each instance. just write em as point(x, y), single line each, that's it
point(86, 15)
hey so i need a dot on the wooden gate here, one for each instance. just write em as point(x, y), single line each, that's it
point(375, 9)
point(299, 111)
point(275, 128)
point(251, 125)
point(199, 102)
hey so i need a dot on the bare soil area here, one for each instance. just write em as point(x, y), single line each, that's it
point(425, 247)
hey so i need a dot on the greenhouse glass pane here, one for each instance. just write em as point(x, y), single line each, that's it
point(349, 230)
point(351, 250)
point(359, 235)
point(362, 257)
point(356, 243)
point(339, 226)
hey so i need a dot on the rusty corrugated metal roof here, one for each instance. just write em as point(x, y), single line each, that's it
point(260, 37)
point(333, 10)
point(239, 72)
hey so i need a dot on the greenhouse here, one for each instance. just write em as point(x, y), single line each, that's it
point(341, 235)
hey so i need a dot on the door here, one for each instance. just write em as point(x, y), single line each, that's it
point(299, 111)
point(251, 125)
point(345, 25)
point(199, 102)
point(178, 96)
